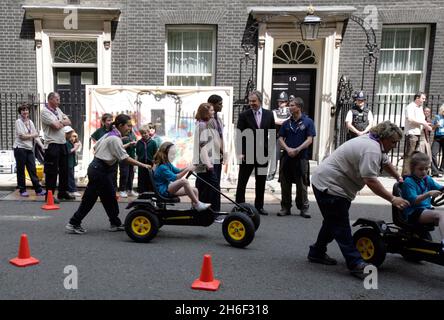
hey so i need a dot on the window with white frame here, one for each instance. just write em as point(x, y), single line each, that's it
point(190, 56)
point(403, 60)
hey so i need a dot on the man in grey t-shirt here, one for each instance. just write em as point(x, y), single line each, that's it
point(336, 181)
point(56, 153)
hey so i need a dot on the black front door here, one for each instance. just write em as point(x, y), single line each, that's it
point(70, 84)
point(298, 82)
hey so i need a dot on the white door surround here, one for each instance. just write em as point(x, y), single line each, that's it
point(278, 25)
point(50, 23)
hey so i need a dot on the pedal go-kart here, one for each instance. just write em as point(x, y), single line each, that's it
point(151, 211)
point(375, 237)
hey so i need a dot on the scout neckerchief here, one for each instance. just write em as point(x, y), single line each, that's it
point(53, 111)
point(114, 132)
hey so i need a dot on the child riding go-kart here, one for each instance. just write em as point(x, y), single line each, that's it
point(413, 241)
point(151, 211)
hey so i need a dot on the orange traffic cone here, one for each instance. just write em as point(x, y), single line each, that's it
point(24, 258)
point(206, 280)
point(50, 202)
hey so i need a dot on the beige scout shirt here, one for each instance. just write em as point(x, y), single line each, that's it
point(342, 173)
point(110, 149)
point(22, 129)
point(52, 135)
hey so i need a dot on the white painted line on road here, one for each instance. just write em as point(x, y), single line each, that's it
point(23, 218)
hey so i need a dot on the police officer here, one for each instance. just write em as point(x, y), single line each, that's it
point(359, 118)
point(109, 151)
point(280, 114)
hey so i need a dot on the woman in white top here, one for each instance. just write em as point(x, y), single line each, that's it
point(26, 136)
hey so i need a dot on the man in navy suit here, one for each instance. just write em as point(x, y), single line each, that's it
point(254, 126)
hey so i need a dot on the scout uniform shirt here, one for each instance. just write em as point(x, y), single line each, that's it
point(52, 135)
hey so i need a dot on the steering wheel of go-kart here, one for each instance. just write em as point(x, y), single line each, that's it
point(438, 201)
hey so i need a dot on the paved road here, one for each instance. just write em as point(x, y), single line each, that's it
point(274, 266)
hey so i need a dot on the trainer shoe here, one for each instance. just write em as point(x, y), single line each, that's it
point(200, 206)
point(24, 194)
point(116, 228)
point(75, 229)
point(123, 194)
point(133, 193)
point(75, 194)
point(219, 219)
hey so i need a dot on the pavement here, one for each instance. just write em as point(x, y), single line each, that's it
point(8, 182)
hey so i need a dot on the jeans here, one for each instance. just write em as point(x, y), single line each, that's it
point(335, 226)
point(25, 158)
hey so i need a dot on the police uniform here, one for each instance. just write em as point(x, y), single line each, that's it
point(280, 113)
point(109, 151)
point(357, 117)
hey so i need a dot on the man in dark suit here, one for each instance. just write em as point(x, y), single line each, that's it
point(254, 126)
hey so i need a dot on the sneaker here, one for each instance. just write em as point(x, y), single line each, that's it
point(41, 193)
point(24, 194)
point(75, 194)
point(200, 206)
point(123, 194)
point(116, 228)
point(325, 259)
point(358, 270)
point(219, 219)
point(133, 193)
point(74, 229)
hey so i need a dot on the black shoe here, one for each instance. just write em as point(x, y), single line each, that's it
point(284, 212)
point(305, 214)
point(65, 196)
point(358, 270)
point(262, 212)
point(322, 260)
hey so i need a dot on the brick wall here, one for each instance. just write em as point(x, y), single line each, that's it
point(138, 56)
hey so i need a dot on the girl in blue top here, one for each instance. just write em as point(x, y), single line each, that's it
point(418, 189)
point(170, 180)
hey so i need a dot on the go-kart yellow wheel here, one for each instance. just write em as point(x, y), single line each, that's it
point(370, 245)
point(238, 229)
point(141, 225)
point(250, 211)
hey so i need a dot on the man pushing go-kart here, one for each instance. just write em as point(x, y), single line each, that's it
point(337, 180)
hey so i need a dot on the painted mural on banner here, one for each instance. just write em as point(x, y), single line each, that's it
point(172, 109)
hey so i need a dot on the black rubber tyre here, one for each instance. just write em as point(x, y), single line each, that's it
point(141, 225)
point(250, 211)
point(238, 229)
point(370, 245)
